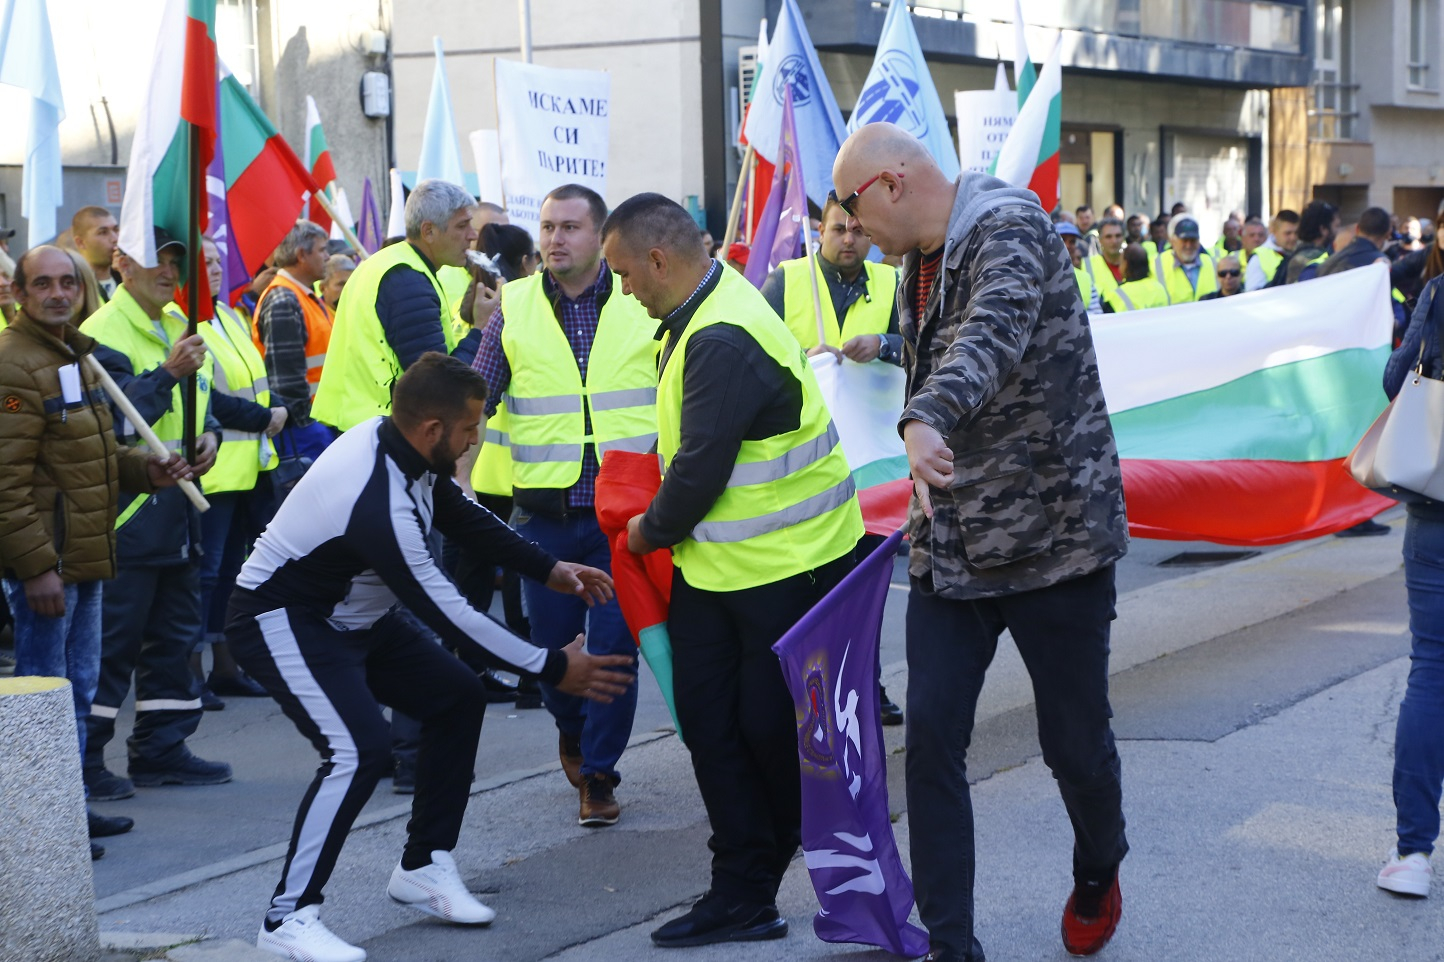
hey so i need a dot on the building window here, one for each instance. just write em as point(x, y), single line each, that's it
point(236, 42)
point(1332, 112)
point(1423, 18)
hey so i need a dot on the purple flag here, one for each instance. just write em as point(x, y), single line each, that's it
point(829, 660)
point(368, 228)
point(782, 225)
point(234, 276)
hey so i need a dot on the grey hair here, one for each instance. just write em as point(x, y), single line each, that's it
point(339, 262)
point(299, 238)
point(434, 202)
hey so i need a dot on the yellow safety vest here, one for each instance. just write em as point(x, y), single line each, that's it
point(491, 474)
point(547, 402)
point(1164, 268)
point(790, 504)
point(1136, 296)
point(1100, 274)
point(240, 371)
point(1269, 260)
point(360, 366)
point(1085, 286)
point(122, 325)
point(867, 315)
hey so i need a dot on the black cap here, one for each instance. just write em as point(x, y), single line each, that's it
point(7, 232)
point(1187, 229)
point(164, 240)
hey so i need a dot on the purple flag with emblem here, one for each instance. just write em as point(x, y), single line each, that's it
point(782, 225)
point(368, 228)
point(829, 660)
point(234, 276)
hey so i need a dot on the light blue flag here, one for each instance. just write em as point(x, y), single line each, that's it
point(27, 60)
point(899, 90)
point(791, 60)
point(440, 150)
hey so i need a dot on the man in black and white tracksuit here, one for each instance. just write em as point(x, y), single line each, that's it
point(316, 619)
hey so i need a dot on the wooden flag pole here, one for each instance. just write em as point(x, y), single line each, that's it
point(736, 213)
point(117, 396)
point(350, 235)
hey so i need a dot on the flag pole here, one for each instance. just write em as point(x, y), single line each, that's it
point(195, 271)
point(736, 212)
point(812, 272)
point(320, 198)
point(746, 229)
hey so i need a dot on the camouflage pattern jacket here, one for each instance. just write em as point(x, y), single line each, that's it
point(1002, 365)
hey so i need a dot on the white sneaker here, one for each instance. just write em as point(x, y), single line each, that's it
point(302, 938)
point(437, 889)
point(1409, 875)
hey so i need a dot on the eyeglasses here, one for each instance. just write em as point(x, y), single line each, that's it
point(1230, 273)
point(846, 203)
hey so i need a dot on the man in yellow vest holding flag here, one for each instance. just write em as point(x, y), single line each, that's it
point(859, 303)
point(759, 509)
point(575, 360)
point(394, 310)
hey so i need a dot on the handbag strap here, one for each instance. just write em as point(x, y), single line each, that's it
point(1429, 291)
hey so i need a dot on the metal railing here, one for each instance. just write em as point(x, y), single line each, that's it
point(1332, 113)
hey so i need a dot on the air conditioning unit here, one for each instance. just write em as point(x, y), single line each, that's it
point(746, 73)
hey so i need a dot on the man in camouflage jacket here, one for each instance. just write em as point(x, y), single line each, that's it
point(1017, 516)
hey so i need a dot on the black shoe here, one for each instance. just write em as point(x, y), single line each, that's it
point(103, 785)
point(190, 770)
point(1364, 529)
point(528, 694)
point(887, 708)
point(210, 701)
point(403, 781)
point(713, 920)
point(497, 688)
point(103, 826)
point(239, 685)
point(97, 852)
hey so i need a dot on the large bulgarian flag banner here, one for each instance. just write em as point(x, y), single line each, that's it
point(1233, 416)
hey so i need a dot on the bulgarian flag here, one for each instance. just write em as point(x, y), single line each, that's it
point(181, 95)
point(266, 183)
point(1232, 416)
point(1024, 74)
point(318, 155)
point(1029, 157)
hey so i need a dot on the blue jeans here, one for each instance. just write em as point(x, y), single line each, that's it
point(216, 527)
point(557, 619)
point(65, 647)
point(1419, 736)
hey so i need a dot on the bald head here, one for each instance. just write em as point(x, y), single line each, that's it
point(902, 198)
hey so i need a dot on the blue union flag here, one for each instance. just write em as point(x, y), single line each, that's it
point(829, 660)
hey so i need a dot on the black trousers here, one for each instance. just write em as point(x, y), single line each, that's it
point(150, 621)
point(1062, 635)
point(739, 722)
point(329, 682)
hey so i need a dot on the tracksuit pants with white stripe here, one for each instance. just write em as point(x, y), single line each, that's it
point(149, 622)
point(331, 684)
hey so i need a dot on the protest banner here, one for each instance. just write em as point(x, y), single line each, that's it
point(554, 129)
point(984, 119)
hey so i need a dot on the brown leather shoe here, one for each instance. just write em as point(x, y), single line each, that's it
point(599, 805)
point(569, 750)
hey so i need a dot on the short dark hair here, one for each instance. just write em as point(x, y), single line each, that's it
point(1316, 220)
point(656, 221)
point(1111, 222)
point(595, 205)
point(1287, 216)
point(18, 278)
point(1081, 208)
point(1374, 222)
point(436, 385)
point(78, 222)
point(1135, 262)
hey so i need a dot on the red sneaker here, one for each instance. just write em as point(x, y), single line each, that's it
point(1091, 917)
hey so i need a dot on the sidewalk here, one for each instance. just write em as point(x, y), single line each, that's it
point(1255, 711)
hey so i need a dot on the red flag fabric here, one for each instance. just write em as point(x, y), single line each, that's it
point(626, 484)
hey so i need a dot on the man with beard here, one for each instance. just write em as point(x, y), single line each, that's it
point(314, 618)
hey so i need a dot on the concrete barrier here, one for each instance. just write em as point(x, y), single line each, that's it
point(47, 894)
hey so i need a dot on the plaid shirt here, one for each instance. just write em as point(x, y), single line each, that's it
point(579, 319)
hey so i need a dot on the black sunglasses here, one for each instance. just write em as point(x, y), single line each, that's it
point(1229, 273)
point(846, 203)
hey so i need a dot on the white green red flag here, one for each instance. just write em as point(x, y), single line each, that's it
point(318, 159)
point(1232, 416)
point(1025, 75)
point(181, 95)
point(1029, 157)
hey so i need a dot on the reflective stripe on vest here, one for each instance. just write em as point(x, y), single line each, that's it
point(492, 472)
point(318, 326)
point(1100, 274)
point(549, 406)
point(1174, 279)
point(122, 325)
point(361, 366)
point(240, 372)
point(866, 315)
point(790, 503)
